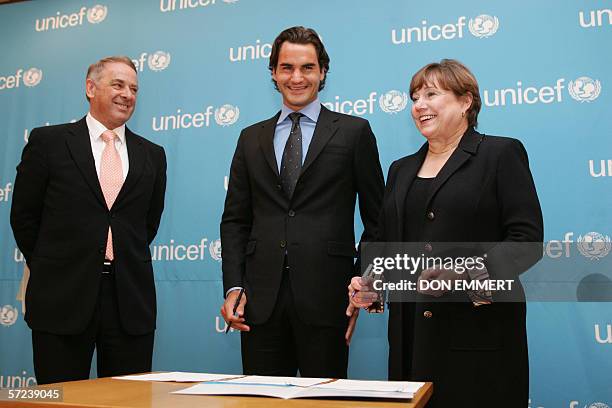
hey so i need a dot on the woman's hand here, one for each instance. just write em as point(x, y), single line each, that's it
point(361, 293)
point(442, 275)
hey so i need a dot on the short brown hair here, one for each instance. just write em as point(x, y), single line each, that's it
point(450, 75)
point(96, 68)
point(300, 35)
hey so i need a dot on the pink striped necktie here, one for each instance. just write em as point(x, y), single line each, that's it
point(111, 179)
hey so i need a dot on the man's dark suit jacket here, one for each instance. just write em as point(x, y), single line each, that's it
point(484, 194)
point(315, 228)
point(60, 222)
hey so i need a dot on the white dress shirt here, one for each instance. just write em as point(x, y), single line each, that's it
point(97, 143)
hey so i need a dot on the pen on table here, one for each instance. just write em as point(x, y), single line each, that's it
point(229, 325)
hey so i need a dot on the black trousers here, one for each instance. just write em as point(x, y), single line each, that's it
point(284, 344)
point(60, 358)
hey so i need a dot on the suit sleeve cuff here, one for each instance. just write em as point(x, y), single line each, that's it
point(479, 297)
point(232, 288)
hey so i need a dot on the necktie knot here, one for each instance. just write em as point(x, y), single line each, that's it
point(108, 136)
point(295, 117)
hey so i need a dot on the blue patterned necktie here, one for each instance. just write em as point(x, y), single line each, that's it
point(291, 164)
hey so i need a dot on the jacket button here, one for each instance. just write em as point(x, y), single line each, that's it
point(291, 213)
point(283, 244)
point(427, 314)
point(428, 247)
point(112, 215)
point(279, 187)
point(431, 215)
point(101, 250)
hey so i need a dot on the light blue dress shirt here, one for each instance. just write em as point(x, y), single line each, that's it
point(308, 122)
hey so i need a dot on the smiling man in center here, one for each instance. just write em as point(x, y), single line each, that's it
point(288, 225)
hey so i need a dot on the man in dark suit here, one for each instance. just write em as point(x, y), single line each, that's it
point(87, 203)
point(287, 229)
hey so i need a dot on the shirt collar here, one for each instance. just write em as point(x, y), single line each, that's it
point(96, 129)
point(311, 111)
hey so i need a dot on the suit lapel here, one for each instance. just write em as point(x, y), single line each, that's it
point(266, 141)
point(405, 177)
point(79, 145)
point(467, 147)
point(136, 157)
point(324, 130)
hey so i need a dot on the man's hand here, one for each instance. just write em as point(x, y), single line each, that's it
point(227, 311)
point(447, 275)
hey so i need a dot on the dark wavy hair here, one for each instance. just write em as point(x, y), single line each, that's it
point(300, 35)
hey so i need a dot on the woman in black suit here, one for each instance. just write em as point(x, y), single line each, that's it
point(461, 186)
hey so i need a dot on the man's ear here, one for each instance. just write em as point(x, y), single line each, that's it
point(90, 87)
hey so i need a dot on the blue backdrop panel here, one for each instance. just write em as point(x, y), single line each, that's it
point(544, 72)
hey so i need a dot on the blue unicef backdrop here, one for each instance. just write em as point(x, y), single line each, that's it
point(544, 69)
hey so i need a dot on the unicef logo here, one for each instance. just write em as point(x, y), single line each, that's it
point(215, 249)
point(159, 60)
point(96, 14)
point(8, 315)
point(32, 77)
point(594, 245)
point(227, 115)
point(393, 101)
point(597, 405)
point(483, 26)
point(584, 89)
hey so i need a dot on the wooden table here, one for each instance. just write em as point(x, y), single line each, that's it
point(107, 393)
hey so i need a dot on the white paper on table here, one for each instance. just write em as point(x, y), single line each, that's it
point(286, 392)
point(225, 388)
point(368, 385)
point(177, 376)
point(268, 380)
point(317, 392)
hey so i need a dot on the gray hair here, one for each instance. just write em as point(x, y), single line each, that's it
point(95, 69)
